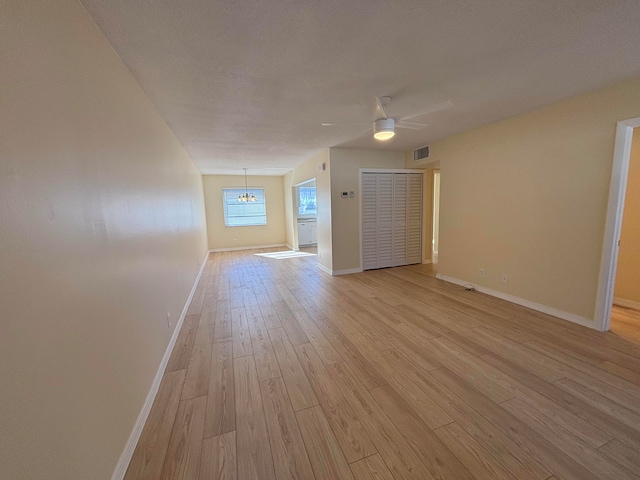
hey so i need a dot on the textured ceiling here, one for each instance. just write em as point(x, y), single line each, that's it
point(248, 83)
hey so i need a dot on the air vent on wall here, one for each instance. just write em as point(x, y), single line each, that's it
point(421, 153)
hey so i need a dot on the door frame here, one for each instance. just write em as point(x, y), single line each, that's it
point(613, 225)
point(385, 170)
point(294, 195)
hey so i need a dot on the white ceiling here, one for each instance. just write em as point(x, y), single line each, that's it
point(247, 83)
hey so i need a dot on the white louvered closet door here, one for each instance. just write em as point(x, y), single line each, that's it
point(400, 191)
point(391, 219)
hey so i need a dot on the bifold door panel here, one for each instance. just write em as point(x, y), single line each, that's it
point(391, 219)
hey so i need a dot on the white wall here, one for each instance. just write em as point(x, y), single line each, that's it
point(223, 237)
point(101, 234)
point(527, 196)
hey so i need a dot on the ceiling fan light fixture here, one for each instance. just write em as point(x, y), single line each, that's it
point(383, 128)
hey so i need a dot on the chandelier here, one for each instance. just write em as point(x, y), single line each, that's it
point(246, 197)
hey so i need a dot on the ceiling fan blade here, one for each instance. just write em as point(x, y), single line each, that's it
point(433, 108)
point(368, 130)
point(411, 125)
point(343, 124)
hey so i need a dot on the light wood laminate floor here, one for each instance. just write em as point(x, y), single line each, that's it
point(283, 372)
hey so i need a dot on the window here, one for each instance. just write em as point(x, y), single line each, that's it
point(241, 214)
point(307, 201)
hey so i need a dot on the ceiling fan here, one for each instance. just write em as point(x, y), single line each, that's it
point(384, 125)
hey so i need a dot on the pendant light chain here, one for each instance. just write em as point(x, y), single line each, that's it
point(246, 197)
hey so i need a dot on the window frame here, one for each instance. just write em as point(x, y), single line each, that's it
point(239, 191)
point(299, 202)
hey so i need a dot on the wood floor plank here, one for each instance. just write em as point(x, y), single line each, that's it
point(326, 457)
point(602, 403)
point(398, 455)
point(477, 460)
point(290, 324)
point(208, 313)
point(148, 457)
point(182, 461)
point(350, 354)
point(266, 362)
point(515, 459)
point(300, 391)
point(195, 307)
point(241, 334)
point(594, 378)
point(183, 347)
point(529, 359)
point(523, 436)
point(433, 453)
point(289, 455)
point(621, 372)
point(623, 455)
point(221, 416)
point(592, 435)
point(320, 343)
point(269, 313)
point(351, 436)
point(469, 368)
point(571, 445)
point(371, 468)
point(533, 387)
point(218, 460)
point(196, 383)
point(426, 408)
point(253, 449)
point(223, 331)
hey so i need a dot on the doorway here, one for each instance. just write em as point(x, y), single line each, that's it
point(613, 228)
point(306, 208)
point(435, 227)
point(625, 313)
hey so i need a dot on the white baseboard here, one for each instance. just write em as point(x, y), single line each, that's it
point(347, 271)
point(290, 247)
point(571, 317)
point(324, 269)
point(335, 273)
point(622, 302)
point(130, 446)
point(254, 247)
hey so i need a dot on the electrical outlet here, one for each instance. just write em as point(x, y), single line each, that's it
point(505, 278)
point(482, 272)
point(168, 320)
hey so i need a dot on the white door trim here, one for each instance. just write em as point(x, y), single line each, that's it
point(613, 226)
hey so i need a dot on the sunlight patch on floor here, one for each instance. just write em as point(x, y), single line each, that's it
point(287, 254)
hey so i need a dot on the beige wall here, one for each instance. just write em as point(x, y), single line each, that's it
point(306, 171)
point(626, 287)
point(101, 234)
point(221, 237)
point(345, 176)
point(527, 197)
